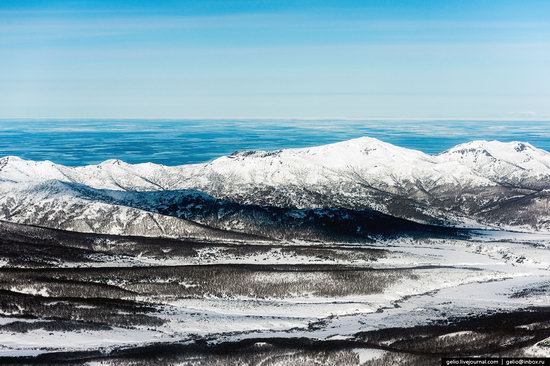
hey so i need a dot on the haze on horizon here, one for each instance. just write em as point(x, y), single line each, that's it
point(275, 59)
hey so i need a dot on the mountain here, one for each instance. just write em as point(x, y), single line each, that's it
point(192, 214)
point(478, 184)
point(65, 206)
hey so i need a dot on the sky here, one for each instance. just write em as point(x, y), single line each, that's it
point(456, 59)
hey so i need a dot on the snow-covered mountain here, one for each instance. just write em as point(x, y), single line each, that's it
point(192, 214)
point(480, 183)
point(62, 205)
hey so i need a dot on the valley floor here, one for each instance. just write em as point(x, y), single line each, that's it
point(108, 300)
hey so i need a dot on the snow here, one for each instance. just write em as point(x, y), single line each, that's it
point(367, 354)
point(363, 172)
point(305, 165)
point(31, 291)
point(474, 275)
point(465, 280)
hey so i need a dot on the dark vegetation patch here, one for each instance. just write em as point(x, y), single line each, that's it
point(200, 354)
point(197, 281)
point(541, 289)
point(479, 334)
point(44, 255)
point(28, 246)
point(421, 345)
point(52, 326)
point(95, 311)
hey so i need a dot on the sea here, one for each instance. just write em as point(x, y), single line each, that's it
point(176, 142)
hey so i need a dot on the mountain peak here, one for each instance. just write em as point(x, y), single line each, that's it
point(112, 162)
point(356, 150)
point(359, 143)
point(491, 146)
point(5, 160)
point(359, 173)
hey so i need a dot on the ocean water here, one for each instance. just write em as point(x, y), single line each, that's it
point(80, 142)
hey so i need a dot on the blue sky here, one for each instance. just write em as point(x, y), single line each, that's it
point(275, 59)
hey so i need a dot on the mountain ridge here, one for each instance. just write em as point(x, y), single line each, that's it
point(480, 183)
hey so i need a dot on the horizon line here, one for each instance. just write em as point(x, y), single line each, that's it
point(175, 119)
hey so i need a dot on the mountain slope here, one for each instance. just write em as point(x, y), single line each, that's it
point(62, 205)
point(482, 183)
point(192, 214)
